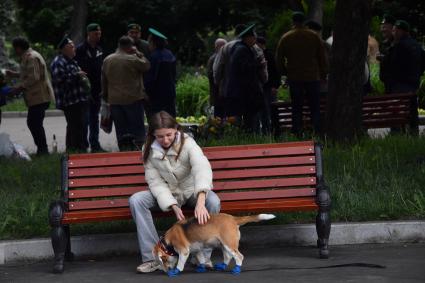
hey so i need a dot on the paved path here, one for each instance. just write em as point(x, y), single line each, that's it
point(19, 133)
point(404, 264)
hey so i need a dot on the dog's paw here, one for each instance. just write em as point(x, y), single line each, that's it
point(173, 272)
point(236, 270)
point(201, 268)
point(220, 266)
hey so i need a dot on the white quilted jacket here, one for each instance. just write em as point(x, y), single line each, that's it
point(174, 182)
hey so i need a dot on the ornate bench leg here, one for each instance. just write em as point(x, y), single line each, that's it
point(58, 235)
point(323, 219)
point(69, 255)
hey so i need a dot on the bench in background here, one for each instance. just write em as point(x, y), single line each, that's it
point(386, 111)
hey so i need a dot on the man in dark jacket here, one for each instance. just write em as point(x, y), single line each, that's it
point(387, 25)
point(405, 60)
point(301, 56)
point(270, 87)
point(160, 80)
point(244, 91)
point(89, 56)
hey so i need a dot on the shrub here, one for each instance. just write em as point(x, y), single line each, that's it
point(192, 95)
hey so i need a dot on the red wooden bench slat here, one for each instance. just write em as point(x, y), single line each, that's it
point(218, 186)
point(105, 192)
point(222, 164)
point(105, 160)
point(134, 157)
point(264, 172)
point(295, 204)
point(107, 181)
point(269, 194)
point(251, 195)
point(218, 175)
point(232, 154)
point(110, 170)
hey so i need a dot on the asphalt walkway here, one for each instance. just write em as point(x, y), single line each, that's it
point(403, 263)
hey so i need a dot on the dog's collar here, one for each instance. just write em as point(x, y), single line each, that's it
point(168, 249)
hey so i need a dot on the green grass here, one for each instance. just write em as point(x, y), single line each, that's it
point(19, 105)
point(379, 179)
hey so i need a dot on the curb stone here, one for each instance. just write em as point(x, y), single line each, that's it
point(252, 236)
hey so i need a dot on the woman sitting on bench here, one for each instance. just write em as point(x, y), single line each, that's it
point(177, 173)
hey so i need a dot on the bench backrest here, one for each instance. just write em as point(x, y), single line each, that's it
point(240, 174)
point(378, 111)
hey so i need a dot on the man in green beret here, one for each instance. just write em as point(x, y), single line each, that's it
point(123, 89)
point(71, 95)
point(384, 49)
point(135, 32)
point(89, 56)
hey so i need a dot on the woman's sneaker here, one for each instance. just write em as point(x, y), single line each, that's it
point(149, 266)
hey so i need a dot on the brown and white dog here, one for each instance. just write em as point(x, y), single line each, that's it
point(187, 236)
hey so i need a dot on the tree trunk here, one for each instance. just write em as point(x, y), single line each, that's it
point(315, 10)
point(346, 78)
point(78, 21)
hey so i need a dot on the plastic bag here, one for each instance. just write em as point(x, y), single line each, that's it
point(6, 146)
point(105, 117)
point(10, 149)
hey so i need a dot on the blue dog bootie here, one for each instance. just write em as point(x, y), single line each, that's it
point(201, 268)
point(236, 270)
point(173, 272)
point(220, 266)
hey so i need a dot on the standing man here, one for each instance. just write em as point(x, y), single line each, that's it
point(244, 91)
point(89, 56)
point(123, 89)
point(160, 80)
point(405, 60)
point(387, 25)
point(215, 99)
point(270, 87)
point(37, 89)
point(135, 32)
point(300, 55)
point(72, 95)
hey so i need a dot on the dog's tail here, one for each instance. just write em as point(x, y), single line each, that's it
point(253, 218)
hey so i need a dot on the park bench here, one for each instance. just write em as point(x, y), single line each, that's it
point(248, 178)
point(386, 111)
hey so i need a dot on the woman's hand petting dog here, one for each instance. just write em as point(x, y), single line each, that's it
point(201, 212)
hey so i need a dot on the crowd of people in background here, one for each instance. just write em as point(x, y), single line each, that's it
point(244, 75)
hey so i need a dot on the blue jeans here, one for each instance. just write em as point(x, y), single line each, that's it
point(129, 124)
point(310, 91)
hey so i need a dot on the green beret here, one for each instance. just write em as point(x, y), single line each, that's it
point(388, 19)
point(402, 25)
point(248, 31)
point(134, 26)
point(93, 27)
point(64, 41)
point(298, 17)
point(157, 33)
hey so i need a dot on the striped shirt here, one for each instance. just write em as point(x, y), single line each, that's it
point(67, 83)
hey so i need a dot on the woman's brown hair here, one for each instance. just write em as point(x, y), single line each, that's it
point(161, 120)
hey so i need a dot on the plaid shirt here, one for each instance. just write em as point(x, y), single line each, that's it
point(67, 82)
